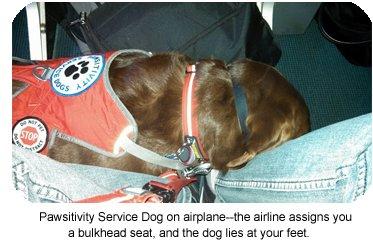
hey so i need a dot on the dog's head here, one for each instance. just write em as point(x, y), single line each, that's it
point(277, 112)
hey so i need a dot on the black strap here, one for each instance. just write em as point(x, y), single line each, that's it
point(208, 30)
point(242, 109)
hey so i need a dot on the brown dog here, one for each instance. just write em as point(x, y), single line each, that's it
point(151, 89)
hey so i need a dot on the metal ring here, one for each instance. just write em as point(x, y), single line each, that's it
point(43, 75)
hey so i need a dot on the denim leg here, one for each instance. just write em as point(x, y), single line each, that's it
point(332, 164)
point(42, 179)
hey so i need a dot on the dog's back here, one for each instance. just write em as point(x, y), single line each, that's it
point(151, 89)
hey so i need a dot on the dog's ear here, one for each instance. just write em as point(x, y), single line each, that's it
point(242, 160)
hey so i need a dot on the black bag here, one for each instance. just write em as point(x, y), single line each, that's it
point(350, 29)
point(222, 30)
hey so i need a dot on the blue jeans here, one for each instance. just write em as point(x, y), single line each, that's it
point(332, 164)
point(41, 179)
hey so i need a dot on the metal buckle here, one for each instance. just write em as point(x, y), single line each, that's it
point(189, 153)
point(201, 169)
point(42, 72)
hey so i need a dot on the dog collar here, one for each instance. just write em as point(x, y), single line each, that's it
point(242, 109)
point(191, 151)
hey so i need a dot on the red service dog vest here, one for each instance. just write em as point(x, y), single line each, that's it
point(71, 98)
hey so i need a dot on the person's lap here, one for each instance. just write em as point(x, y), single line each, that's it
point(332, 164)
point(41, 179)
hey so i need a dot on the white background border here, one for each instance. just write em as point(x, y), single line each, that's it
point(20, 223)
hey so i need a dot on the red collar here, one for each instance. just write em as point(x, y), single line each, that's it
point(189, 107)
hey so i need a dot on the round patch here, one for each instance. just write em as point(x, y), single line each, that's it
point(75, 76)
point(30, 133)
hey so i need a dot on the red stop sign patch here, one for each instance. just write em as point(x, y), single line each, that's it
point(30, 133)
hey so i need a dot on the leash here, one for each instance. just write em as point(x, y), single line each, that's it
point(151, 192)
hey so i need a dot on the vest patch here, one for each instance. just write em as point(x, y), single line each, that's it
point(30, 133)
point(76, 75)
point(71, 98)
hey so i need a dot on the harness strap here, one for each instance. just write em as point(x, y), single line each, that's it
point(150, 156)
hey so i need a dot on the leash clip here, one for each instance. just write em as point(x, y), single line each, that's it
point(168, 192)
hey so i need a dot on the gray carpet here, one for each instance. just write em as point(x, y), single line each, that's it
point(333, 88)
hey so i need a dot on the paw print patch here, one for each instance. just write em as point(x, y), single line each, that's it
point(75, 76)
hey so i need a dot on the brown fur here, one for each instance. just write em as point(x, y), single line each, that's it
point(151, 90)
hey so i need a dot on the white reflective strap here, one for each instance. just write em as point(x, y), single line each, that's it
point(119, 143)
point(150, 156)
